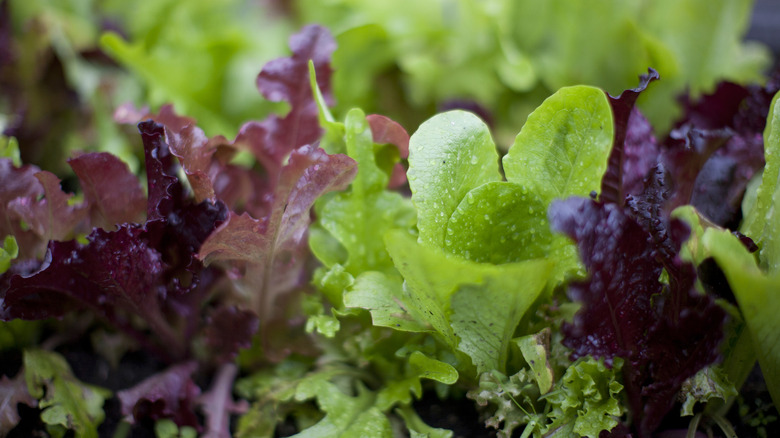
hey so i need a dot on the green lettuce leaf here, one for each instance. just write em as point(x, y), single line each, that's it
point(709, 383)
point(474, 307)
point(8, 252)
point(756, 294)
point(67, 403)
point(449, 155)
point(499, 222)
point(587, 399)
point(355, 220)
point(375, 292)
point(564, 146)
point(762, 218)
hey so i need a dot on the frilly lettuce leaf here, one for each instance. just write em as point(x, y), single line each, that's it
point(587, 400)
point(66, 402)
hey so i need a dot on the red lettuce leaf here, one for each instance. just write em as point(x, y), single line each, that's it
point(164, 187)
point(287, 79)
point(385, 130)
point(625, 165)
point(145, 271)
point(665, 332)
point(228, 330)
point(169, 394)
point(51, 217)
point(112, 192)
point(114, 268)
point(719, 187)
point(19, 182)
point(277, 242)
point(684, 154)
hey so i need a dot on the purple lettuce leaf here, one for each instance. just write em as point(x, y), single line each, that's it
point(194, 150)
point(709, 156)
point(112, 192)
point(139, 271)
point(169, 394)
point(385, 130)
point(277, 242)
point(287, 79)
point(165, 189)
point(665, 332)
point(684, 154)
point(741, 111)
point(19, 182)
point(228, 330)
point(50, 217)
point(633, 144)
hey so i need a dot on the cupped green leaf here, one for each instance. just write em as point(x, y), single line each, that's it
point(449, 155)
point(758, 296)
point(499, 222)
point(475, 307)
point(563, 148)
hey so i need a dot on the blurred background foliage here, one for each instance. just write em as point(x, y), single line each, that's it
point(67, 65)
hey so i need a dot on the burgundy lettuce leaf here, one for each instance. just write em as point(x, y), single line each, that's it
point(277, 242)
point(666, 332)
point(169, 394)
point(112, 192)
point(742, 111)
point(146, 271)
point(229, 329)
point(641, 151)
point(50, 217)
point(684, 154)
point(165, 189)
point(194, 150)
point(384, 130)
point(116, 275)
point(287, 79)
point(629, 156)
point(19, 182)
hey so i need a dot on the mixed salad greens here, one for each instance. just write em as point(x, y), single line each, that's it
point(321, 274)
